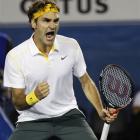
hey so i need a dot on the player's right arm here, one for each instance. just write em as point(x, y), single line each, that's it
point(19, 98)
point(15, 80)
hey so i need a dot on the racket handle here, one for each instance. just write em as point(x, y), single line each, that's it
point(105, 131)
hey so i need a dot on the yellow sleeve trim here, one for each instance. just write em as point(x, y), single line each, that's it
point(31, 98)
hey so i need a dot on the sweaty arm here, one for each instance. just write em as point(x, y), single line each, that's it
point(19, 96)
point(91, 92)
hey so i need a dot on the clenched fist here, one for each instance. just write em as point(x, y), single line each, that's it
point(42, 90)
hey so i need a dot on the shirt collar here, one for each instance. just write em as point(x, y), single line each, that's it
point(34, 50)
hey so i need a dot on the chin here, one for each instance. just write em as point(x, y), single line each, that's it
point(49, 43)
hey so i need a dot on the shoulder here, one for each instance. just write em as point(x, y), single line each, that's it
point(19, 50)
point(67, 42)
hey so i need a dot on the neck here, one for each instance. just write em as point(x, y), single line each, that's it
point(42, 47)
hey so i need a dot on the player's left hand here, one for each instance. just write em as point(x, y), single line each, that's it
point(109, 114)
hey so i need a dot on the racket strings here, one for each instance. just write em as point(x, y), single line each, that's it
point(116, 86)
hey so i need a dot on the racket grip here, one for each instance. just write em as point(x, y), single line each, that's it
point(105, 131)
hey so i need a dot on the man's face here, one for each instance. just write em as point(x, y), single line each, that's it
point(46, 28)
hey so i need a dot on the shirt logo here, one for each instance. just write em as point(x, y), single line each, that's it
point(63, 57)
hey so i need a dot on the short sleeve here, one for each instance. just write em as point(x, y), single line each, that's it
point(80, 65)
point(13, 76)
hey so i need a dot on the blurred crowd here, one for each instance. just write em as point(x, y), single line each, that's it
point(126, 127)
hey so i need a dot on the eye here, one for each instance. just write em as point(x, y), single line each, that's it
point(56, 20)
point(46, 20)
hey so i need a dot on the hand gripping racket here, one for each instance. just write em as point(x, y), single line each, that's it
point(117, 88)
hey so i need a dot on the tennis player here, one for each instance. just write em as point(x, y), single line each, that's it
point(40, 72)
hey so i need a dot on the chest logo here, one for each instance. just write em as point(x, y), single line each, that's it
point(63, 57)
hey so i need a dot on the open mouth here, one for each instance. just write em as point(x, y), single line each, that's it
point(50, 35)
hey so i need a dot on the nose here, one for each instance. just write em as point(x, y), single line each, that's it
point(52, 25)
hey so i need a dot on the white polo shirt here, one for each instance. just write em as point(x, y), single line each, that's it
point(26, 67)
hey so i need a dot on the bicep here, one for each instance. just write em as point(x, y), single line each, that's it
point(84, 79)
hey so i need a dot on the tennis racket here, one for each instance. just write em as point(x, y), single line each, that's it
point(117, 89)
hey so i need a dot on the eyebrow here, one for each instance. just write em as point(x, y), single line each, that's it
point(57, 19)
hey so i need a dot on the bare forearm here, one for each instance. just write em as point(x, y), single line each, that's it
point(93, 96)
point(20, 100)
point(92, 93)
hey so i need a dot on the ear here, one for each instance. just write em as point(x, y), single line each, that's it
point(33, 24)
